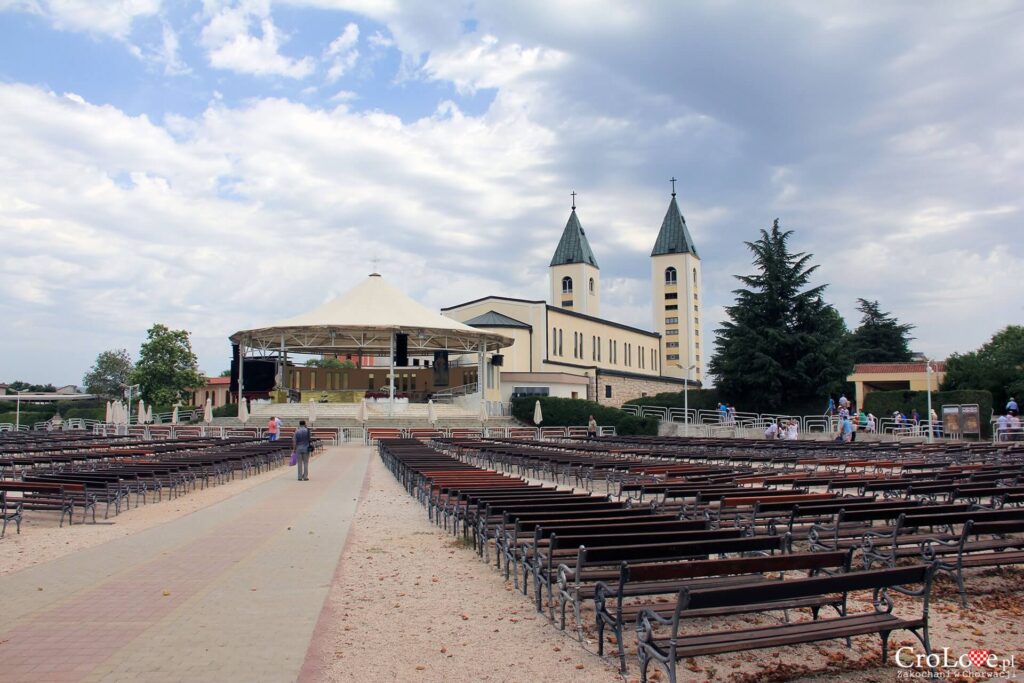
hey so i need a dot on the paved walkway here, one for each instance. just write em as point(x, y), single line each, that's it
point(231, 592)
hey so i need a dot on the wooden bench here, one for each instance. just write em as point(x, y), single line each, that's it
point(9, 513)
point(649, 580)
point(577, 581)
point(47, 496)
point(978, 553)
point(667, 651)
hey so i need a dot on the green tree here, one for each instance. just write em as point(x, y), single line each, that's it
point(19, 385)
point(998, 367)
point(331, 363)
point(225, 373)
point(781, 348)
point(111, 371)
point(167, 370)
point(880, 338)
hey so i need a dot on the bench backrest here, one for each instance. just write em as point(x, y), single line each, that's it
point(799, 588)
point(640, 525)
point(669, 551)
point(599, 540)
point(987, 527)
point(670, 571)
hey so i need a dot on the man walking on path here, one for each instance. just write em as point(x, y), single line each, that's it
point(300, 442)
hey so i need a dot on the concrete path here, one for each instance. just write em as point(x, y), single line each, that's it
point(231, 592)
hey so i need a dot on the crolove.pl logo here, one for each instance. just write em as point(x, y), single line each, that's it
point(975, 664)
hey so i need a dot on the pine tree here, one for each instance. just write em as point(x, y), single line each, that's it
point(880, 338)
point(782, 346)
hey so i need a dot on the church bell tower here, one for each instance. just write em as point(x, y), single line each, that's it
point(575, 276)
point(677, 295)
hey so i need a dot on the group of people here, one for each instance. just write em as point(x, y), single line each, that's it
point(849, 420)
point(787, 430)
point(726, 414)
point(1008, 425)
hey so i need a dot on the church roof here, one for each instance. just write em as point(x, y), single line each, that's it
point(573, 247)
point(674, 238)
point(495, 319)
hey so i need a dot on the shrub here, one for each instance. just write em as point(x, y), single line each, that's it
point(574, 412)
point(885, 403)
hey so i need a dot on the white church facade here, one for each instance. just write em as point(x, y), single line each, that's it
point(563, 347)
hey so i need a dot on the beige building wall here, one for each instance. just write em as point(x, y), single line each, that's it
point(585, 296)
point(622, 389)
point(600, 344)
point(676, 309)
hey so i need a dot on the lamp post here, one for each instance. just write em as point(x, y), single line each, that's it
point(931, 427)
point(17, 411)
point(128, 388)
point(686, 398)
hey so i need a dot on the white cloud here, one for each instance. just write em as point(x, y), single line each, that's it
point(483, 62)
point(104, 17)
point(342, 53)
point(232, 42)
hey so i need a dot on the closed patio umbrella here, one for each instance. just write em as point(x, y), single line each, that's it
point(538, 416)
point(243, 411)
point(140, 415)
point(174, 415)
point(483, 410)
point(364, 412)
point(312, 411)
point(208, 412)
point(431, 412)
point(107, 416)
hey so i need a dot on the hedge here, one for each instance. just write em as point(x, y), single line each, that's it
point(885, 403)
point(575, 412)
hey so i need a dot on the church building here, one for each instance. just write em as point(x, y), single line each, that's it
point(563, 347)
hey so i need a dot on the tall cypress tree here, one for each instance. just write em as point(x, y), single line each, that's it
point(781, 347)
point(880, 338)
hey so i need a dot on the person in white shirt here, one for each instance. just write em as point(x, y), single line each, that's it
point(792, 431)
point(871, 423)
point(772, 430)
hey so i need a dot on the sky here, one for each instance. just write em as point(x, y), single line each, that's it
point(221, 164)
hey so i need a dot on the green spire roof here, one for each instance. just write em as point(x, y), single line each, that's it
point(674, 238)
point(573, 247)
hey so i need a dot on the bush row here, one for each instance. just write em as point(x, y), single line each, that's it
point(574, 412)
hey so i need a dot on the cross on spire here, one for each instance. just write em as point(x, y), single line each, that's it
point(376, 262)
point(573, 200)
point(673, 181)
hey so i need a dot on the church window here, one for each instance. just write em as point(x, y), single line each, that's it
point(694, 276)
point(554, 341)
point(670, 276)
point(560, 342)
point(672, 295)
point(671, 345)
point(607, 390)
point(695, 309)
point(670, 333)
point(591, 285)
point(566, 285)
point(671, 321)
point(671, 307)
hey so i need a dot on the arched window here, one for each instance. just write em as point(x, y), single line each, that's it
point(566, 285)
point(591, 285)
point(670, 276)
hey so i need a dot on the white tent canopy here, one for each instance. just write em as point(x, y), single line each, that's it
point(364, 319)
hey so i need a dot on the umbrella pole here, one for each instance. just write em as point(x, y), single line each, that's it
point(241, 371)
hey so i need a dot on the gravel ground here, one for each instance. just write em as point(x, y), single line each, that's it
point(407, 589)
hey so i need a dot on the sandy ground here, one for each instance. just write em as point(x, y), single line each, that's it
point(404, 587)
point(41, 538)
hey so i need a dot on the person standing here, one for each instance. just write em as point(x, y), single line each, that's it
point(592, 427)
point(300, 442)
point(831, 409)
point(1012, 405)
point(273, 429)
point(847, 434)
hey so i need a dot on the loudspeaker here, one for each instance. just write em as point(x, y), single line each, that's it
point(401, 350)
point(260, 374)
point(497, 360)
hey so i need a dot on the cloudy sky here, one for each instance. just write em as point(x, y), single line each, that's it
point(219, 164)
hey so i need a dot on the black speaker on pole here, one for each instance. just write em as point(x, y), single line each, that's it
point(401, 350)
point(497, 360)
point(233, 385)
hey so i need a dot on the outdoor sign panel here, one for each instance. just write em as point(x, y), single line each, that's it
point(951, 419)
point(970, 419)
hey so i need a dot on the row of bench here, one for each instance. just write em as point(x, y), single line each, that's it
point(577, 549)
